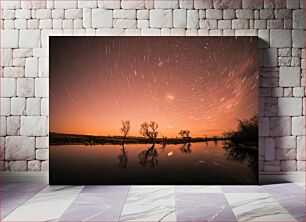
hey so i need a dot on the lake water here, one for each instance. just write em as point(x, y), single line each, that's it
point(182, 164)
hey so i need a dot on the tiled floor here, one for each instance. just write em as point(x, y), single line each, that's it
point(39, 202)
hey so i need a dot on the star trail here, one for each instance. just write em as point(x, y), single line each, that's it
point(203, 84)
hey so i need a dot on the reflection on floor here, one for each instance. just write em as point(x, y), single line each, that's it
point(39, 202)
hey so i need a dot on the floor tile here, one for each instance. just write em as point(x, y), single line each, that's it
point(283, 188)
point(198, 189)
point(298, 212)
point(22, 187)
point(257, 207)
point(97, 203)
point(242, 189)
point(149, 203)
point(47, 205)
point(290, 199)
point(106, 189)
point(203, 207)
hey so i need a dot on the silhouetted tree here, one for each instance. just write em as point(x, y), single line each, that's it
point(149, 130)
point(125, 128)
point(184, 134)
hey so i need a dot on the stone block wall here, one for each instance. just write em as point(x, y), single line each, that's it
point(26, 25)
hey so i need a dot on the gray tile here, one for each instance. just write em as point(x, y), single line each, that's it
point(242, 189)
point(203, 207)
point(298, 212)
point(283, 188)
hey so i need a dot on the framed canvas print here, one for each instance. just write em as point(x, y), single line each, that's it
point(154, 110)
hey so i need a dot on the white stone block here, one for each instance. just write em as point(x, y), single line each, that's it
point(19, 62)
point(43, 13)
point(18, 106)
point(34, 126)
point(44, 107)
point(150, 32)
point(20, 148)
point(87, 4)
point(5, 106)
point(192, 19)
point(301, 165)
point(73, 13)
point(42, 154)
point(165, 32)
point(269, 149)
point(132, 32)
point(245, 14)
point(21, 53)
point(252, 4)
point(289, 76)
point(142, 23)
point(270, 57)
point(179, 18)
point(160, 18)
point(178, 32)
point(43, 67)
point(45, 165)
point(240, 24)
point(166, 4)
point(13, 72)
point(42, 142)
point(110, 32)
point(18, 166)
point(33, 106)
point(2, 133)
point(286, 142)
point(29, 38)
point(203, 4)
point(301, 148)
point(68, 24)
point(102, 18)
point(31, 67)
point(125, 23)
point(25, 87)
point(9, 38)
point(41, 87)
point(298, 19)
point(10, 4)
point(123, 13)
point(187, 4)
point(13, 125)
point(8, 87)
point(78, 24)
point(58, 13)
point(288, 165)
point(65, 4)
point(280, 38)
point(6, 57)
point(298, 126)
point(23, 14)
point(298, 92)
point(214, 14)
point(33, 4)
point(298, 38)
point(46, 24)
point(293, 4)
point(20, 23)
point(285, 154)
point(132, 4)
point(289, 106)
point(280, 126)
point(109, 4)
point(34, 165)
point(143, 14)
point(87, 18)
point(8, 14)
point(58, 23)
point(224, 24)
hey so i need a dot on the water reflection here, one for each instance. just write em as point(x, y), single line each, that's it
point(186, 148)
point(149, 157)
point(123, 157)
point(246, 151)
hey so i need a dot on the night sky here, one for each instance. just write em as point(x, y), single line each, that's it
point(204, 84)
